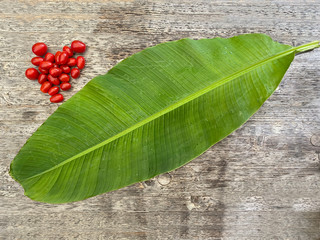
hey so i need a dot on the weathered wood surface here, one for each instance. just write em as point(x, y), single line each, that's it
point(261, 182)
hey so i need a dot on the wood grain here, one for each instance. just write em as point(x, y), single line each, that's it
point(261, 182)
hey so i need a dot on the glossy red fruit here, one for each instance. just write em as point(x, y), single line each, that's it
point(55, 71)
point(65, 68)
point(65, 86)
point(32, 73)
point(63, 58)
point(64, 77)
point(46, 65)
point(53, 80)
point(56, 57)
point(81, 62)
point(72, 62)
point(56, 98)
point(54, 90)
point(36, 61)
point(78, 46)
point(42, 78)
point(49, 57)
point(44, 71)
point(45, 87)
point(39, 48)
point(68, 50)
point(75, 73)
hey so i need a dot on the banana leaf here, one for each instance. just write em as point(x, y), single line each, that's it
point(151, 113)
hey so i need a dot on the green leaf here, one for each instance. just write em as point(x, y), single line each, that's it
point(152, 113)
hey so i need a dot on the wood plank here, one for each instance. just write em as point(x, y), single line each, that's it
point(261, 182)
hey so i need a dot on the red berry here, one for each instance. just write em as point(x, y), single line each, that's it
point(63, 58)
point(72, 62)
point(64, 77)
point(44, 71)
point(65, 86)
point(32, 73)
point(78, 47)
point(45, 87)
point(56, 98)
point(65, 68)
point(53, 80)
point(75, 73)
point(55, 71)
point(54, 90)
point(46, 65)
point(36, 61)
point(39, 49)
point(56, 56)
point(42, 78)
point(49, 57)
point(68, 50)
point(81, 62)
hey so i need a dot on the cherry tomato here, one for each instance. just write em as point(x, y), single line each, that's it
point(65, 86)
point(55, 72)
point(54, 90)
point(32, 73)
point(45, 87)
point(63, 58)
point(78, 46)
point(53, 80)
point(81, 62)
point(75, 73)
point(56, 98)
point(72, 62)
point(46, 65)
point(36, 61)
point(58, 65)
point(42, 78)
point(39, 48)
point(49, 57)
point(56, 57)
point(64, 77)
point(65, 68)
point(68, 50)
point(44, 71)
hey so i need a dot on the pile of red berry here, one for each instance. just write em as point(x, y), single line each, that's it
point(54, 69)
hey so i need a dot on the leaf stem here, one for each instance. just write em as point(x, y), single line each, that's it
point(307, 47)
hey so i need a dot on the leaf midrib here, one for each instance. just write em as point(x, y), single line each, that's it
point(191, 97)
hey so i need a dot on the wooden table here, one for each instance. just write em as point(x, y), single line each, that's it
point(261, 182)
